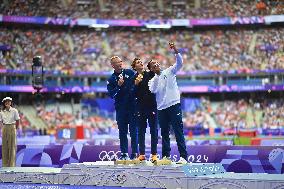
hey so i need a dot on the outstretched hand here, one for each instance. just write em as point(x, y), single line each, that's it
point(172, 46)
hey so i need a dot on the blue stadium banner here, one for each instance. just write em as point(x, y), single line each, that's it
point(86, 21)
point(61, 21)
point(156, 23)
point(210, 21)
point(274, 18)
point(24, 19)
point(40, 20)
point(180, 22)
point(247, 20)
point(125, 22)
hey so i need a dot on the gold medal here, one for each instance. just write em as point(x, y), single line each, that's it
point(140, 76)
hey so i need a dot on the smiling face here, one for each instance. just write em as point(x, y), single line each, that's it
point(154, 66)
point(116, 63)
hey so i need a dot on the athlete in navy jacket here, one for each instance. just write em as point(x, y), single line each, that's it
point(120, 88)
point(146, 110)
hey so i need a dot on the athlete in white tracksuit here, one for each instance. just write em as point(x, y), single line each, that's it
point(164, 85)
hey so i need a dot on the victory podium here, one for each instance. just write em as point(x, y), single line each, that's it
point(107, 173)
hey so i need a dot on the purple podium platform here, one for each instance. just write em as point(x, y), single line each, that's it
point(238, 159)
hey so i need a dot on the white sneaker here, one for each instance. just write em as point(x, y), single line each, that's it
point(181, 161)
point(166, 158)
point(124, 156)
point(166, 161)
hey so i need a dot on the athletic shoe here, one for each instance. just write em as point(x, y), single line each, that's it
point(141, 158)
point(124, 156)
point(154, 158)
point(181, 161)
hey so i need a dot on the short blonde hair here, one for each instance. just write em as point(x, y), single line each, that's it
point(113, 57)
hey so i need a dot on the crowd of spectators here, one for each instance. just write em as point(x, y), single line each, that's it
point(88, 50)
point(241, 114)
point(233, 8)
point(55, 119)
point(226, 115)
point(24, 121)
point(141, 9)
point(273, 114)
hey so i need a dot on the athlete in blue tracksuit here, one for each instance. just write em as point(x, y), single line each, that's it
point(120, 88)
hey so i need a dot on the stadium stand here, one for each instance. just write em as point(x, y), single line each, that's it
point(141, 9)
point(240, 49)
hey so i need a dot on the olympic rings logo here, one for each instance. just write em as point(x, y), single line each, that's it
point(109, 155)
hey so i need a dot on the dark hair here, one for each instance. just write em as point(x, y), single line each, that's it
point(149, 63)
point(133, 63)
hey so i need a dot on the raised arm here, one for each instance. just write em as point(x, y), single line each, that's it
point(177, 66)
